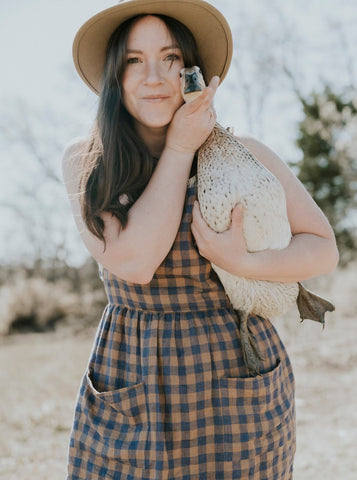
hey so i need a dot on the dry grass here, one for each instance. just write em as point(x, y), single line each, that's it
point(40, 375)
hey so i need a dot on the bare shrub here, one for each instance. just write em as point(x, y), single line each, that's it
point(36, 304)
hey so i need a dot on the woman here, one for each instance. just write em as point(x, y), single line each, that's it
point(167, 394)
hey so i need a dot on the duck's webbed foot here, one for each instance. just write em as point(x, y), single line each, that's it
point(312, 306)
point(251, 353)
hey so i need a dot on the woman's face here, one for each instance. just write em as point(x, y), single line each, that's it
point(151, 80)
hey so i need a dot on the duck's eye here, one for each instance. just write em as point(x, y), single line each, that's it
point(200, 71)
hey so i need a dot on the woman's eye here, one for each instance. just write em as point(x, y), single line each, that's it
point(172, 57)
point(133, 60)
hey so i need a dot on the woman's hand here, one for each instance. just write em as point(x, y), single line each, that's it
point(228, 249)
point(193, 122)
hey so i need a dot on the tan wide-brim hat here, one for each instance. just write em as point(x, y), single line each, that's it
point(208, 26)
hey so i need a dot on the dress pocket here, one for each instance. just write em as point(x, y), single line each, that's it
point(115, 423)
point(258, 412)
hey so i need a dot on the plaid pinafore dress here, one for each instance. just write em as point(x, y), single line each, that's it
point(166, 395)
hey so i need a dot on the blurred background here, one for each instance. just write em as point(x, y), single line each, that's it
point(293, 85)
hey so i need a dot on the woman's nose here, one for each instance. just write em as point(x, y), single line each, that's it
point(153, 73)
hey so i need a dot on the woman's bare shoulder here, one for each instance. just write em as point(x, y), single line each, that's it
point(247, 139)
point(73, 151)
point(255, 146)
point(72, 161)
point(265, 155)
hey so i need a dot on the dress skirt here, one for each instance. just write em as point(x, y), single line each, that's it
point(166, 395)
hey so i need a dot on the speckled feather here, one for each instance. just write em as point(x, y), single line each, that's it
point(228, 174)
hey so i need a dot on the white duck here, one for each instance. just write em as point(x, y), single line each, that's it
point(228, 174)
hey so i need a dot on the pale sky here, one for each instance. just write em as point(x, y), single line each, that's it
point(36, 36)
point(36, 41)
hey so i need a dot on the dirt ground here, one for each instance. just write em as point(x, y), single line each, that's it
point(40, 375)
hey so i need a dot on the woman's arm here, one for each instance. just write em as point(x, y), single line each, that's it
point(134, 253)
point(311, 252)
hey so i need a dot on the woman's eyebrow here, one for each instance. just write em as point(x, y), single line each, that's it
point(168, 47)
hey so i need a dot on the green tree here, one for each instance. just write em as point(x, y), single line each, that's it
point(328, 168)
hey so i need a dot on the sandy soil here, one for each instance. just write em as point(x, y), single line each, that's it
point(40, 375)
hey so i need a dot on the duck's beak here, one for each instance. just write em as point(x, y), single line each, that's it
point(192, 83)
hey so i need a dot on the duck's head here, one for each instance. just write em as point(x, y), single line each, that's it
point(192, 83)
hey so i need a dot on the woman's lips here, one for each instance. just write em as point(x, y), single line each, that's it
point(155, 98)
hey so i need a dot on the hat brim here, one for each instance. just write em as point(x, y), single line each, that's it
point(207, 24)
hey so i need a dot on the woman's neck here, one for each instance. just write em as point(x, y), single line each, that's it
point(154, 138)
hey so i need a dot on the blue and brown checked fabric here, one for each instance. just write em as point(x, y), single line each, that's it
point(166, 395)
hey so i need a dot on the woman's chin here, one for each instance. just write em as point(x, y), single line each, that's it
point(156, 124)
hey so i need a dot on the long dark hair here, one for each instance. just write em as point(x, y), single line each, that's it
point(117, 165)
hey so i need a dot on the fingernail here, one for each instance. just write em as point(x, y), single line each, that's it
point(216, 80)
